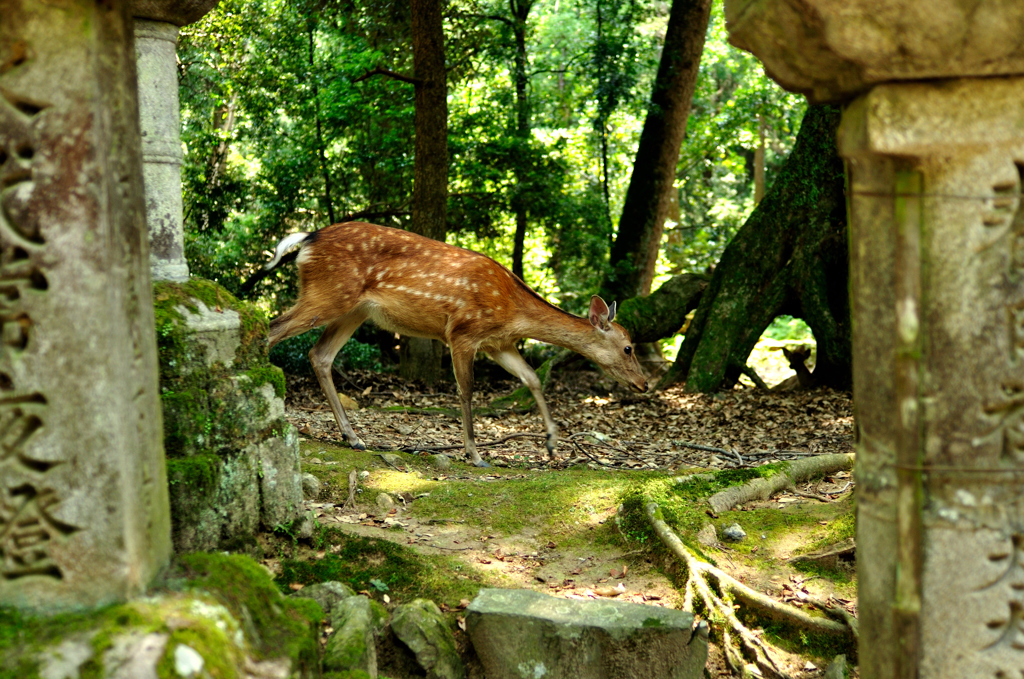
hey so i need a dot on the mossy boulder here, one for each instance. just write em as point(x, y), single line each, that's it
point(232, 459)
point(422, 627)
point(221, 612)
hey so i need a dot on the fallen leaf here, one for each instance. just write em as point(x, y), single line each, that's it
point(462, 623)
point(387, 599)
point(463, 603)
point(296, 586)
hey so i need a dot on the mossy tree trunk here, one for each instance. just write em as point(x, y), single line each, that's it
point(790, 257)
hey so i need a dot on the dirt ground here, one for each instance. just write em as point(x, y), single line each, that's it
point(552, 525)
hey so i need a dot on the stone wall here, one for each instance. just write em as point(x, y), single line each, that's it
point(232, 460)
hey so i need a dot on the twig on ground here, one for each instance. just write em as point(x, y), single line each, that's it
point(353, 482)
point(388, 463)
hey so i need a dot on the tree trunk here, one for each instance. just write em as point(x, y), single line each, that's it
point(635, 252)
point(790, 257)
point(662, 313)
point(520, 13)
point(420, 358)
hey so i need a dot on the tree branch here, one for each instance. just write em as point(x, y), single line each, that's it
point(391, 74)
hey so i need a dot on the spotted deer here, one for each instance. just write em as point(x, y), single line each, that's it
point(416, 286)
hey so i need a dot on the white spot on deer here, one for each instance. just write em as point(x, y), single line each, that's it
point(380, 274)
point(475, 287)
point(405, 248)
point(349, 247)
point(495, 293)
point(460, 303)
point(430, 284)
point(489, 312)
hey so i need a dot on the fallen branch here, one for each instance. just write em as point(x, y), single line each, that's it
point(789, 475)
point(698, 584)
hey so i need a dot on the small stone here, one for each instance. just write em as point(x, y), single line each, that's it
point(310, 487)
point(307, 527)
point(351, 648)
point(441, 462)
point(316, 460)
point(837, 668)
point(734, 533)
point(421, 626)
point(708, 536)
point(391, 458)
point(348, 403)
point(364, 475)
point(187, 661)
point(328, 594)
point(385, 501)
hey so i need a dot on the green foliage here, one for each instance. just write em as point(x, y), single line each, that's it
point(283, 133)
point(788, 328)
point(292, 354)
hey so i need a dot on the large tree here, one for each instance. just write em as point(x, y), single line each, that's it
point(421, 358)
point(635, 251)
point(790, 257)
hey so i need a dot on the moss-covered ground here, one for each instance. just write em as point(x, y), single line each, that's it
point(575, 532)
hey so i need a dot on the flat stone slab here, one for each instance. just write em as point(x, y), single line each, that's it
point(522, 634)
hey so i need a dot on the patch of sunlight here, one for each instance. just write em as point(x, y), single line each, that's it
point(399, 482)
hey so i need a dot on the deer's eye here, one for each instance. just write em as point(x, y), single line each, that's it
point(628, 350)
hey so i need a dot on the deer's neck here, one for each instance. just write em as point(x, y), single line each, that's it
point(545, 323)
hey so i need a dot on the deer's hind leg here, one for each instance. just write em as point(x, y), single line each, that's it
point(322, 357)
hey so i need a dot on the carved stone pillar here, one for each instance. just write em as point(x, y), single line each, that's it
point(155, 45)
point(156, 40)
point(83, 491)
point(934, 174)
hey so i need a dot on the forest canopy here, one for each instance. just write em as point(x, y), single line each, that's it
point(296, 115)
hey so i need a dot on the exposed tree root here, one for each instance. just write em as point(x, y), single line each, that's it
point(699, 577)
point(790, 474)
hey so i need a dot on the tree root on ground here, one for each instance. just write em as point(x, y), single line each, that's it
point(700, 575)
point(791, 474)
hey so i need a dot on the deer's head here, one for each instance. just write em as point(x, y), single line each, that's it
point(611, 348)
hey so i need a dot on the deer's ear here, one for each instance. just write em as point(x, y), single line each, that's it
point(600, 313)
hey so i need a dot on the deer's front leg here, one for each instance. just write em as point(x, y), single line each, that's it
point(322, 357)
point(510, 359)
point(462, 363)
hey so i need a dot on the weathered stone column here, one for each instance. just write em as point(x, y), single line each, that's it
point(934, 174)
point(156, 41)
point(159, 118)
point(83, 491)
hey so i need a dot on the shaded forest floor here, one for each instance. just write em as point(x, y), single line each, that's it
point(555, 527)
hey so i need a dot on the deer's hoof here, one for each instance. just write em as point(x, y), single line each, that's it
point(357, 444)
point(550, 445)
point(480, 463)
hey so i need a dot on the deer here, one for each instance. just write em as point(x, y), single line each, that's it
point(419, 287)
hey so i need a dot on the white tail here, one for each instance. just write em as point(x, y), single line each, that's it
point(416, 286)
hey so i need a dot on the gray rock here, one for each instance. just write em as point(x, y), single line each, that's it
point(327, 594)
point(364, 475)
point(837, 668)
point(441, 462)
point(187, 661)
point(385, 502)
point(281, 482)
point(64, 660)
point(218, 332)
point(392, 458)
point(134, 656)
point(522, 633)
point(734, 533)
point(310, 487)
point(352, 646)
point(421, 626)
point(708, 536)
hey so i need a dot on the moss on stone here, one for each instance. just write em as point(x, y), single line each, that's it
point(267, 374)
point(277, 626)
point(200, 472)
